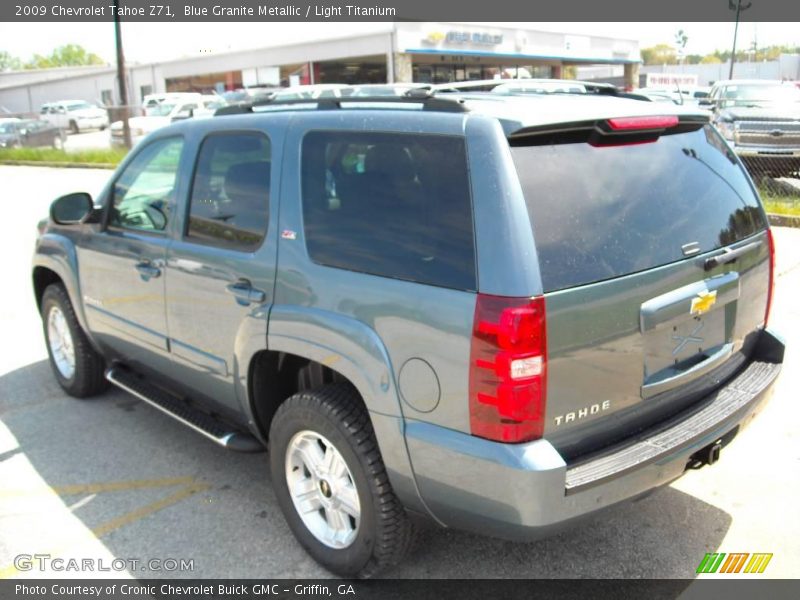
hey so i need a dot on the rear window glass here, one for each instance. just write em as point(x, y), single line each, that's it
point(603, 212)
point(396, 205)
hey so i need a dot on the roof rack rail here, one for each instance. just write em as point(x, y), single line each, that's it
point(414, 96)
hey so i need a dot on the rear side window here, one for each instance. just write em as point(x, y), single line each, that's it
point(396, 205)
point(229, 206)
point(603, 212)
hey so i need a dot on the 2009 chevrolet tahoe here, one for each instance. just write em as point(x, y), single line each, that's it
point(496, 314)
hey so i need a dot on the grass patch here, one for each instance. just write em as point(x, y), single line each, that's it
point(779, 197)
point(51, 155)
point(779, 207)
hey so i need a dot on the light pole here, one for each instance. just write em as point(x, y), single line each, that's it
point(123, 87)
point(738, 7)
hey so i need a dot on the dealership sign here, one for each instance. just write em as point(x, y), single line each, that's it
point(671, 79)
point(464, 37)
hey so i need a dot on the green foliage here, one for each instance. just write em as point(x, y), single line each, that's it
point(659, 54)
point(777, 207)
point(70, 55)
point(9, 62)
point(104, 157)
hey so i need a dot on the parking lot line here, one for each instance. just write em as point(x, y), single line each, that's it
point(189, 487)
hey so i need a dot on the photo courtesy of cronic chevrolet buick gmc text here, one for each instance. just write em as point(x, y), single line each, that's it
point(487, 312)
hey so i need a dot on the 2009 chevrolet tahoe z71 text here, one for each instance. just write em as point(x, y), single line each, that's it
point(498, 314)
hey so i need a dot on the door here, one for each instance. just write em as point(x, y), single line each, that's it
point(122, 268)
point(221, 268)
point(655, 266)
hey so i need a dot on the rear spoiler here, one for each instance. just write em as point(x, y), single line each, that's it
point(607, 132)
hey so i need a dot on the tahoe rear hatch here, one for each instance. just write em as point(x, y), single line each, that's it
point(654, 253)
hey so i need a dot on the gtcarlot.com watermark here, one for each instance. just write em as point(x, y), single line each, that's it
point(48, 562)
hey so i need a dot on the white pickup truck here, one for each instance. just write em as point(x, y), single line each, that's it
point(74, 115)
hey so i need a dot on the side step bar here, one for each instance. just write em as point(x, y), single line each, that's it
point(194, 419)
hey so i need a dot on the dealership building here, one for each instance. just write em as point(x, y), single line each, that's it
point(394, 52)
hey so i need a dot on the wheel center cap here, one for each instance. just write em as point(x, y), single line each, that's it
point(325, 488)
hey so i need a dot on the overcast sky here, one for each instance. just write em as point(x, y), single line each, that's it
point(148, 42)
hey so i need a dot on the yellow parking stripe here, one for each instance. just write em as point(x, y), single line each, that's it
point(97, 488)
point(190, 487)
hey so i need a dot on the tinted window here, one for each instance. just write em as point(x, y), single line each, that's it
point(602, 212)
point(230, 194)
point(396, 205)
point(144, 191)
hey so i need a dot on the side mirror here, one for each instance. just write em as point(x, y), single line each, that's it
point(23, 132)
point(72, 208)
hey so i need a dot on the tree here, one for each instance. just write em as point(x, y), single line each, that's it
point(711, 59)
point(659, 54)
point(8, 62)
point(71, 55)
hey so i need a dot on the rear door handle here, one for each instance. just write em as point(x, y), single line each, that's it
point(245, 293)
point(729, 255)
point(147, 271)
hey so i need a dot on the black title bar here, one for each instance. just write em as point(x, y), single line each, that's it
point(396, 10)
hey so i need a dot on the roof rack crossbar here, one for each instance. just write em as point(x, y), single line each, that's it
point(428, 102)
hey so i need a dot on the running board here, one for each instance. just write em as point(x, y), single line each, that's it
point(192, 418)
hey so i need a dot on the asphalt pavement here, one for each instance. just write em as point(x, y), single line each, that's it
point(112, 478)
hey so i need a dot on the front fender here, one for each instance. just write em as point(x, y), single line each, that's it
point(57, 253)
point(354, 350)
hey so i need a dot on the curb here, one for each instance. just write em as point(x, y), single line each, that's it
point(66, 165)
point(783, 220)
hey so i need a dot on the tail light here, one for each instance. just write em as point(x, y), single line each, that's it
point(508, 369)
point(771, 290)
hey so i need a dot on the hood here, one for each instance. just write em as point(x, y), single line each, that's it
point(767, 112)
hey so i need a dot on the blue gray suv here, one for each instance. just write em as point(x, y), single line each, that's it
point(489, 313)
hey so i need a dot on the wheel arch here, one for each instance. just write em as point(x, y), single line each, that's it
point(310, 347)
point(56, 261)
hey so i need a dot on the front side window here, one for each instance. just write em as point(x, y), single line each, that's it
point(144, 192)
point(390, 204)
point(229, 207)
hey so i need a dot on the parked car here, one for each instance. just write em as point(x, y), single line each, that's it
point(151, 101)
point(17, 133)
point(168, 111)
point(74, 115)
point(761, 121)
point(252, 94)
point(385, 89)
point(312, 92)
point(493, 314)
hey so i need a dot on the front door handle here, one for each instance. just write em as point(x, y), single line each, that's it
point(147, 271)
point(245, 293)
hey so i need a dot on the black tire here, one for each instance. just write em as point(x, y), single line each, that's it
point(73, 127)
point(385, 533)
point(88, 378)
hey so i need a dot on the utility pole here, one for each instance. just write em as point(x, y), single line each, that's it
point(123, 86)
point(738, 7)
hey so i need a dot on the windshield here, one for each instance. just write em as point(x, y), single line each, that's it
point(7, 128)
point(79, 106)
point(235, 96)
point(743, 94)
